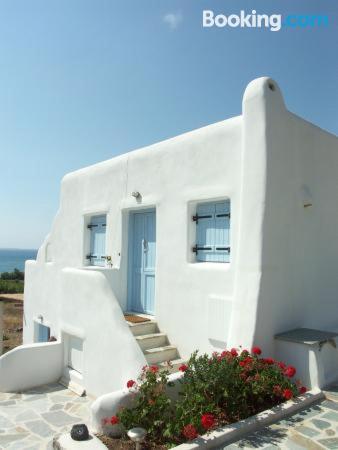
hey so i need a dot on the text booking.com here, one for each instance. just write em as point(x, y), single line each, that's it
point(274, 22)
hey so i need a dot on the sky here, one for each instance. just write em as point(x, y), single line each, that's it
point(84, 80)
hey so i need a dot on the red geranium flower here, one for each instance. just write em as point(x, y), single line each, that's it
point(256, 351)
point(130, 383)
point(114, 420)
point(234, 352)
point(190, 432)
point(290, 371)
point(153, 369)
point(281, 365)
point(183, 368)
point(246, 361)
point(207, 421)
point(268, 361)
point(302, 390)
point(287, 394)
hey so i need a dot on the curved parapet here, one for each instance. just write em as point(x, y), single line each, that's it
point(82, 311)
point(263, 90)
point(30, 365)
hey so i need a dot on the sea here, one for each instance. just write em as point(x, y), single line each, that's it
point(15, 258)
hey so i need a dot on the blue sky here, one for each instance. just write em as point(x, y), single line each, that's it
point(84, 80)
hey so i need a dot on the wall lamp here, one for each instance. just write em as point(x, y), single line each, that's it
point(136, 194)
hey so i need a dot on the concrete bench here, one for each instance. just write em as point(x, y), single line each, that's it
point(313, 352)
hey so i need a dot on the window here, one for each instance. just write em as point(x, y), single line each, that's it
point(212, 232)
point(42, 332)
point(97, 227)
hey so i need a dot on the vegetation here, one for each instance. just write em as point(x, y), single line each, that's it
point(15, 275)
point(215, 390)
point(11, 287)
point(12, 282)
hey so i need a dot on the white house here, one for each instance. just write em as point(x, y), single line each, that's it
point(226, 236)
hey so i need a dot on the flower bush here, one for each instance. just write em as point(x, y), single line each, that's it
point(152, 408)
point(215, 390)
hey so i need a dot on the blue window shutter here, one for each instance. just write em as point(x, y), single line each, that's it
point(222, 232)
point(98, 240)
point(43, 333)
point(205, 231)
point(213, 232)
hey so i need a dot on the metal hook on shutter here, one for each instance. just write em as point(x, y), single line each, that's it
point(223, 215)
point(196, 249)
point(196, 218)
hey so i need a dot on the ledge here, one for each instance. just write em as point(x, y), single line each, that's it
point(97, 268)
point(306, 336)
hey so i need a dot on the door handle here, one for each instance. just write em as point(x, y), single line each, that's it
point(145, 245)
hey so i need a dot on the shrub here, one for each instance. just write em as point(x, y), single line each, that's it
point(231, 387)
point(15, 275)
point(11, 287)
point(153, 408)
point(215, 390)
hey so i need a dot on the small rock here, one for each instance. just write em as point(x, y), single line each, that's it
point(329, 432)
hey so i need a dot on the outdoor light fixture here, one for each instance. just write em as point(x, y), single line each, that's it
point(137, 435)
point(136, 194)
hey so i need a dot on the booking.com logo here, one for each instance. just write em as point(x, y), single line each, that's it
point(274, 22)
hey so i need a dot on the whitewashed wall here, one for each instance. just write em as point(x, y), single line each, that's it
point(283, 256)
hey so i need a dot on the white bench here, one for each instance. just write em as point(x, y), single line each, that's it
point(312, 352)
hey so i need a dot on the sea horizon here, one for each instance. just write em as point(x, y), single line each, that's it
point(14, 258)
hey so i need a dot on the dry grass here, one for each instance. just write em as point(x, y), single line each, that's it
point(12, 318)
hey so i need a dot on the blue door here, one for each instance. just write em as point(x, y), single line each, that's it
point(142, 255)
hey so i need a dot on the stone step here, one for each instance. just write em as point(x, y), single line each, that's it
point(174, 366)
point(139, 329)
point(159, 354)
point(152, 340)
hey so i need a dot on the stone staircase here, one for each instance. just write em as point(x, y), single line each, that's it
point(155, 346)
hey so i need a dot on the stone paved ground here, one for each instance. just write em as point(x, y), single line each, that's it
point(313, 428)
point(29, 420)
